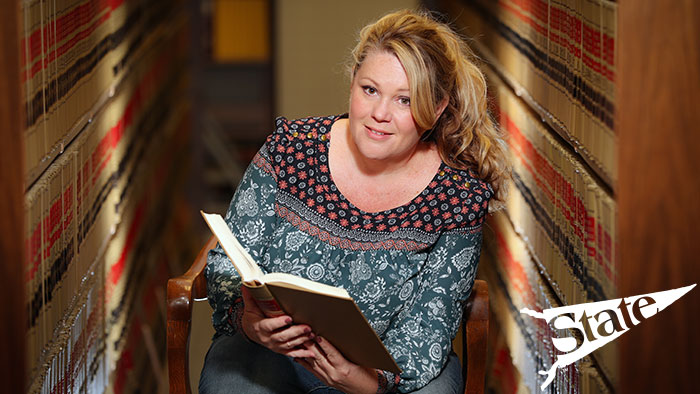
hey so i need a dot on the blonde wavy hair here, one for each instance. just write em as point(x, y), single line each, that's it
point(440, 66)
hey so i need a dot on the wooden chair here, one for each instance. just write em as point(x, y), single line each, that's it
point(183, 290)
point(475, 334)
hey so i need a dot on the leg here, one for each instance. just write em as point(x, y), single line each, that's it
point(448, 382)
point(234, 364)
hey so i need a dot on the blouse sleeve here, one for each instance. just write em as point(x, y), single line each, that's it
point(420, 338)
point(251, 217)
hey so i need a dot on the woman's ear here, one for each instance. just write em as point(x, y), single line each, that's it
point(441, 107)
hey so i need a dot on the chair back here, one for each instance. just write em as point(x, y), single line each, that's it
point(182, 291)
point(475, 334)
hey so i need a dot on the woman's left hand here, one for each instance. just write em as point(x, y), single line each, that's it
point(331, 367)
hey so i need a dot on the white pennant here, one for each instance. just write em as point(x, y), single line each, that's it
point(600, 323)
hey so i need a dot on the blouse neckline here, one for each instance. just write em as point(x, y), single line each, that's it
point(406, 207)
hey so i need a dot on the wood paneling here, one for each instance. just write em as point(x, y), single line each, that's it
point(658, 188)
point(12, 313)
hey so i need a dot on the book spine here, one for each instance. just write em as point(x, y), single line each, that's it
point(265, 300)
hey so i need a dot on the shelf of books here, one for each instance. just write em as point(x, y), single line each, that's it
point(551, 70)
point(106, 143)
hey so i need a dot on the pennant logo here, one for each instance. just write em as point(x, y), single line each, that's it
point(600, 323)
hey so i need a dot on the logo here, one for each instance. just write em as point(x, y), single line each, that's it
point(599, 323)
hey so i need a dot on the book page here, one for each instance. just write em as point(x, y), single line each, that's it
point(245, 265)
point(293, 281)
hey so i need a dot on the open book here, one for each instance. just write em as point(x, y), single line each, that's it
point(330, 311)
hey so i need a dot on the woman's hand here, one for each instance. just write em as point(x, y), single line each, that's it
point(275, 333)
point(332, 368)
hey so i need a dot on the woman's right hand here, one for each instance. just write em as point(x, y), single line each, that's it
point(275, 333)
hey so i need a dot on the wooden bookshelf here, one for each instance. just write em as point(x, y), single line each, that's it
point(659, 213)
point(12, 357)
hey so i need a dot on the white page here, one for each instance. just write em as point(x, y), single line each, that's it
point(245, 265)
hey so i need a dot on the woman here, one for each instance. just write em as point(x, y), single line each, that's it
point(386, 202)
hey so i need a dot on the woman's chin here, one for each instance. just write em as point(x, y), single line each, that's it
point(374, 156)
point(375, 150)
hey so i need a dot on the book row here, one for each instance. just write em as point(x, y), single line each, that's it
point(562, 53)
point(78, 364)
point(561, 210)
point(74, 54)
point(130, 268)
point(526, 343)
point(104, 344)
point(137, 265)
point(76, 210)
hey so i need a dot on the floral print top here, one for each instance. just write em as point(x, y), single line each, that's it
point(409, 269)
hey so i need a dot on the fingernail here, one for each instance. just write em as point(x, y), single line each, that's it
point(318, 339)
point(307, 330)
point(311, 336)
point(288, 320)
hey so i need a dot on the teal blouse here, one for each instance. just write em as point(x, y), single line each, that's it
point(409, 269)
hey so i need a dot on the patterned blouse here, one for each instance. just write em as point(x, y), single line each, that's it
point(409, 269)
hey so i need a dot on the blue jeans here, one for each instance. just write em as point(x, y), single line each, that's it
point(235, 365)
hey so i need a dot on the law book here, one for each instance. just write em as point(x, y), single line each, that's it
point(330, 311)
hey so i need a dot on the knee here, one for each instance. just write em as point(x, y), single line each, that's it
point(233, 362)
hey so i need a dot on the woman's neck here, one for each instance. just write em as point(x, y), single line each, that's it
point(378, 185)
point(419, 156)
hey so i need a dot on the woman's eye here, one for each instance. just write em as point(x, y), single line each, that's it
point(404, 101)
point(369, 89)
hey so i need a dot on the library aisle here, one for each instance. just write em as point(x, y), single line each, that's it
point(121, 119)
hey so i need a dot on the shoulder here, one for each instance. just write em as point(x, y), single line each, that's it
point(464, 198)
point(299, 133)
point(296, 143)
point(294, 128)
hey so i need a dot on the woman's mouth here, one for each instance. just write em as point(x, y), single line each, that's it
point(377, 132)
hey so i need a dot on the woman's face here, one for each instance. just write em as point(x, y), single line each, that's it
point(381, 123)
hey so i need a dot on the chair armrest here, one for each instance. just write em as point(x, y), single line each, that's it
point(181, 292)
point(476, 331)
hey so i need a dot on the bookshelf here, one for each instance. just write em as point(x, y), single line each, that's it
point(628, 72)
point(554, 243)
point(95, 125)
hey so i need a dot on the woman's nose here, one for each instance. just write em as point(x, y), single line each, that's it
point(381, 111)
